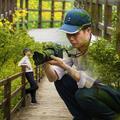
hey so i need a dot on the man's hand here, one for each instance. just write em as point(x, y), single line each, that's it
point(57, 61)
point(71, 71)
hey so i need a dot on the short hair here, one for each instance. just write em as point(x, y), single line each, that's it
point(25, 50)
point(86, 26)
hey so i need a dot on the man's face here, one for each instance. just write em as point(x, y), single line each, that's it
point(80, 39)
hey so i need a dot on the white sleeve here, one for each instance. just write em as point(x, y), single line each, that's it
point(81, 82)
point(60, 72)
point(22, 62)
point(85, 80)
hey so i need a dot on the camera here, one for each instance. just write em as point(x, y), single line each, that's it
point(44, 56)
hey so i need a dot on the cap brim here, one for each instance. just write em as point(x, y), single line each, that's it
point(70, 28)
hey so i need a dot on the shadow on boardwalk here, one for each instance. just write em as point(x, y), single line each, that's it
point(50, 106)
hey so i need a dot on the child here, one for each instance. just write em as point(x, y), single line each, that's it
point(25, 62)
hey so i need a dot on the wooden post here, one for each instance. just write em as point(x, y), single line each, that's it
point(63, 12)
point(27, 7)
point(15, 5)
point(7, 9)
point(52, 14)
point(93, 15)
point(21, 7)
point(23, 89)
point(85, 4)
point(7, 96)
point(118, 29)
point(97, 17)
point(40, 14)
point(11, 10)
point(107, 19)
point(21, 4)
point(88, 6)
point(0, 8)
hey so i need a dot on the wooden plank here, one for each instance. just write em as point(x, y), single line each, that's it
point(11, 78)
point(2, 82)
point(109, 29)
point(78, 4)
point(46, 10)
point(21, 4)
point(118, 30)
point(44, 21)
point(50, 107)
point(0, 7)
point(18, 105)
point(7, 106)
point(98, 17)
point(14, 5)
point(52, 14)
point(27, 7)
point(107, 19)
point(23, 87)
point(11, 9)
point(110, 2)
point(13, 94)
point(63, 11)
point(21, 7)
point(3, 102)
point(93, 15)
point(88, 6)
point(40, 14)
point(3, 9)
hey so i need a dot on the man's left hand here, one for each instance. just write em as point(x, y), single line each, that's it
point(57, 61)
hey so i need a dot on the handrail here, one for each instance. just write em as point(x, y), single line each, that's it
point(8, 94)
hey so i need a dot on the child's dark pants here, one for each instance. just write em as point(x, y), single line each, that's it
point(33, 86)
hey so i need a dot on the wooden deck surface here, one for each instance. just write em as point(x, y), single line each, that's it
point(50, 106)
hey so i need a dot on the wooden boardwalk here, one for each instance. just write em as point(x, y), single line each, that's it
point(50, 106)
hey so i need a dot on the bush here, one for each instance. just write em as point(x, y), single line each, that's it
point(106, 61)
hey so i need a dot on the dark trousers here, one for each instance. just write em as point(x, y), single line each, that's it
point(33, 86)
point(67, 88)
point(100, 101)
point(96, 103)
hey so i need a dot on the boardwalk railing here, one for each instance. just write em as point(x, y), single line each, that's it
point(8, 94)
point(102, 12)
point(40, 12)
point(7, 7)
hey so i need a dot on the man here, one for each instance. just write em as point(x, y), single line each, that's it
point(86, 98)
point(25, 62)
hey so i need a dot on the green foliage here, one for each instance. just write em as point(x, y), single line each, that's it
point(11, 46)
point(106, 61)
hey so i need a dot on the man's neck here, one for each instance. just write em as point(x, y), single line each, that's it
point(83, 49)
